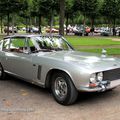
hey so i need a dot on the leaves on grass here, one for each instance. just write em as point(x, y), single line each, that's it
point(24, 92)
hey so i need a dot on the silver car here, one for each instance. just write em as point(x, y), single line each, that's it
point(51, 62)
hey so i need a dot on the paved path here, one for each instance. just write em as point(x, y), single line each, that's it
point(22, 101)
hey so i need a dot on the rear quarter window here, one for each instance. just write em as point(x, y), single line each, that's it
point(17, 42)
point(1, 45)
point(6, 44)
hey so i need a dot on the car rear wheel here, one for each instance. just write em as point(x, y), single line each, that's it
point(63, 89)
point(2, 73)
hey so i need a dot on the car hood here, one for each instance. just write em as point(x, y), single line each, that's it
point(85, 60)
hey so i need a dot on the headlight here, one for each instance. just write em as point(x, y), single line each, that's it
point(93, 78)
point(100, 76)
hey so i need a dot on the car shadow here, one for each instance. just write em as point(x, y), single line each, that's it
point(24, 84)
point(96, 96)
point(82, 97)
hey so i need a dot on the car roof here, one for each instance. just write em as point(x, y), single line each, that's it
point(32, 35)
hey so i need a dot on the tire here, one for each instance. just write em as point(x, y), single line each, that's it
point(2, 73)
point(63, 90)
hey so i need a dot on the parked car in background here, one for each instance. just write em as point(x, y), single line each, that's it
point(24, 29)
point(35, 30)
point(117, 31)
point(97, 30)
point(10, 30)
point(69, 29)
point(53, 30)
point(105, 32)
point(51, 62)
point(32, 30)
point(80, 30)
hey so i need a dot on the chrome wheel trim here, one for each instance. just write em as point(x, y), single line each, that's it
point(61, 88)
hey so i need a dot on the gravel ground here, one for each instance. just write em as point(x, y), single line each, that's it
point(22, 101)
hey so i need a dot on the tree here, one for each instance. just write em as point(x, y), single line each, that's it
point(26, 12)
point(45, 8)
point(38, 11)
point(9, 7)
point(69, 11)
point(62, 15)
point(89, 8)
point(111, 10)
point(1, 22)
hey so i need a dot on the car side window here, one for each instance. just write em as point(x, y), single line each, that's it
point(18, 45)
point(6, 44)
point(1, 45)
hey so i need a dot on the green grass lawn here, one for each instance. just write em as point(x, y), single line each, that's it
point(110, 51)
point(91, 41)
point(78, 41)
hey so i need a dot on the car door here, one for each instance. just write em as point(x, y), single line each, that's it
point(17, 60)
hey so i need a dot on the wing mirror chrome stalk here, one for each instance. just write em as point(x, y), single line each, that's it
point(104, 53)
point(103, 85)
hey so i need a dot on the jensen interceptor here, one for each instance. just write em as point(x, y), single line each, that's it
point(51, 62)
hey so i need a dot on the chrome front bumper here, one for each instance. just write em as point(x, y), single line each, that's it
point(100, 88)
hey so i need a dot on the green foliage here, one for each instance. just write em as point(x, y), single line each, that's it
point(111, 8)
point(44, 7)
point(25, 12)
point(11, 6)
point(75, 11)
point(69, 7)
point(87, 7)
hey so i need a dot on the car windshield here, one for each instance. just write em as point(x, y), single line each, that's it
point(52, 43)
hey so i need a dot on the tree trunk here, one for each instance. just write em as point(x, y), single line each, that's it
point(35, 21)
point(61, 19)
point(67, 18)
point(92, 27)
point(51, 21)
point(30, 30)
point(40, 24)
point(8, 23)
point(13, 20)
point(26, 25)
point(1, 25)
point(84, 23)
point(114, 31)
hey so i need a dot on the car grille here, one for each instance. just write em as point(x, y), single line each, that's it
point(112, 74)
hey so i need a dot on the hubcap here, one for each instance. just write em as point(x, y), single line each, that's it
point(61, 87)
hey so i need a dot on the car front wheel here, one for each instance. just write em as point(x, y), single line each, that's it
point(63, 89)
